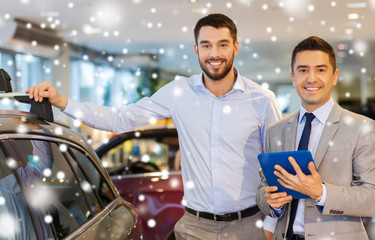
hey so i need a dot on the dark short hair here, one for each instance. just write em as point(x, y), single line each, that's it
point(216, 20)
point(315, 44)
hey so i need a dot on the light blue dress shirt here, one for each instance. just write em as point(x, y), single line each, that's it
point(219, 138)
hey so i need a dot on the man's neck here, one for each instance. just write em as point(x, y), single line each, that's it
point(220, 87)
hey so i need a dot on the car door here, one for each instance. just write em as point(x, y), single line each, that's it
point(120, 218)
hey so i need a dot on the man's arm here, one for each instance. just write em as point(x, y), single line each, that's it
point(126, 118)
point(358, 198)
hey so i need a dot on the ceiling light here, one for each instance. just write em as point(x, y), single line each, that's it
point(91, 30)
point(357, 5)
point(49, 14)
point(353, 16)
point(348, 31)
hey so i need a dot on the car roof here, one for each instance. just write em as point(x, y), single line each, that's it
point(148, 133)
point(20, 124)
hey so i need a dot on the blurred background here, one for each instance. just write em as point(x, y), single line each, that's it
point(113, 52)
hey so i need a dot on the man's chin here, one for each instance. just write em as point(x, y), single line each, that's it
point(216, 76)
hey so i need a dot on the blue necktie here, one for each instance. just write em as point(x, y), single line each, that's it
point(303, 145)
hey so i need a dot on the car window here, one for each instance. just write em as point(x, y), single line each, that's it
point(139, 155)
point(98, 181)
point(85, 182)
point(50, 186)
point(15, 222)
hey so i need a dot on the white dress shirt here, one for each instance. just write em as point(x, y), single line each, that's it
point(219, 138)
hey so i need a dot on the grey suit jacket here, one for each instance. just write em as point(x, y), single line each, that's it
point(345, 159)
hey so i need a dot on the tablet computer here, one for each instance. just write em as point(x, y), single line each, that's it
point(269, 160)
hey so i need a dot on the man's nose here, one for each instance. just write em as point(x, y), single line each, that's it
point(312, 76)
point(215, 52)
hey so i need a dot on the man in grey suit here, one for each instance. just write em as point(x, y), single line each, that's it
point(341, 186)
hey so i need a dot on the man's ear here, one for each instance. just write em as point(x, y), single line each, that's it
point(335, 77)
point(196, 50)
point(292, 76)
point(236, 48)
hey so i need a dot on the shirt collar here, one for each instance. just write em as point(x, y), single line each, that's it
point(197, 81)
point(321, 113)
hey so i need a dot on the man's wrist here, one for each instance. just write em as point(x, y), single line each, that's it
point(316, 200)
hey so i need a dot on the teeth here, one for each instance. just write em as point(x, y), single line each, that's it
point(215, 63)
point(312, 89)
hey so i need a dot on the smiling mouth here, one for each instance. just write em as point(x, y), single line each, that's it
point(312, 88)
point(215, 62)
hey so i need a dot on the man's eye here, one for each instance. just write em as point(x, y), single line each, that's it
point(321, 70)
point(223, 45)
point(303, 70)
point(205, 46)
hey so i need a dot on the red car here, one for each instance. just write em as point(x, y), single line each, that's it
point(144, 166)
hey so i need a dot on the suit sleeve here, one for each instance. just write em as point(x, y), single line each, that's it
point(355, 196)
point(260, 198)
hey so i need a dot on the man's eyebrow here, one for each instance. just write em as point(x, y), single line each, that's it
point(204, 41)
point(302, 66)
point(317, 66)
point(220, 41)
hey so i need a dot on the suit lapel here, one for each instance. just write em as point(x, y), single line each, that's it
point(290, 132)
point(329, 131)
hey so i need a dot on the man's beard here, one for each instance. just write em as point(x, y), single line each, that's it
point(216, 76)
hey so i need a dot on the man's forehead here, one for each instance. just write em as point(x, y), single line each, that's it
point(315, 54)
point(209, 33)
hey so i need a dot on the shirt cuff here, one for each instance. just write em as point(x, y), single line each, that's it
point(269, 223)
point(278, 211)
point(322, 200)
point(68, 107)
point(320, 204)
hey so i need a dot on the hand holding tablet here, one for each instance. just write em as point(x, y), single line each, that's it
point(269, 160)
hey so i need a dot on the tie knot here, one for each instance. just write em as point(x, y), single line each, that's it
point(309, 117)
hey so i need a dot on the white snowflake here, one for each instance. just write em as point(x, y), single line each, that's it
point(86, 187)
point(151, 223)
point(189, 185)
point(227, 109)
point(63, 147)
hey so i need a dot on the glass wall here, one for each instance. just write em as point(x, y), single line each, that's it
point(25, 71)
point(104, 85)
